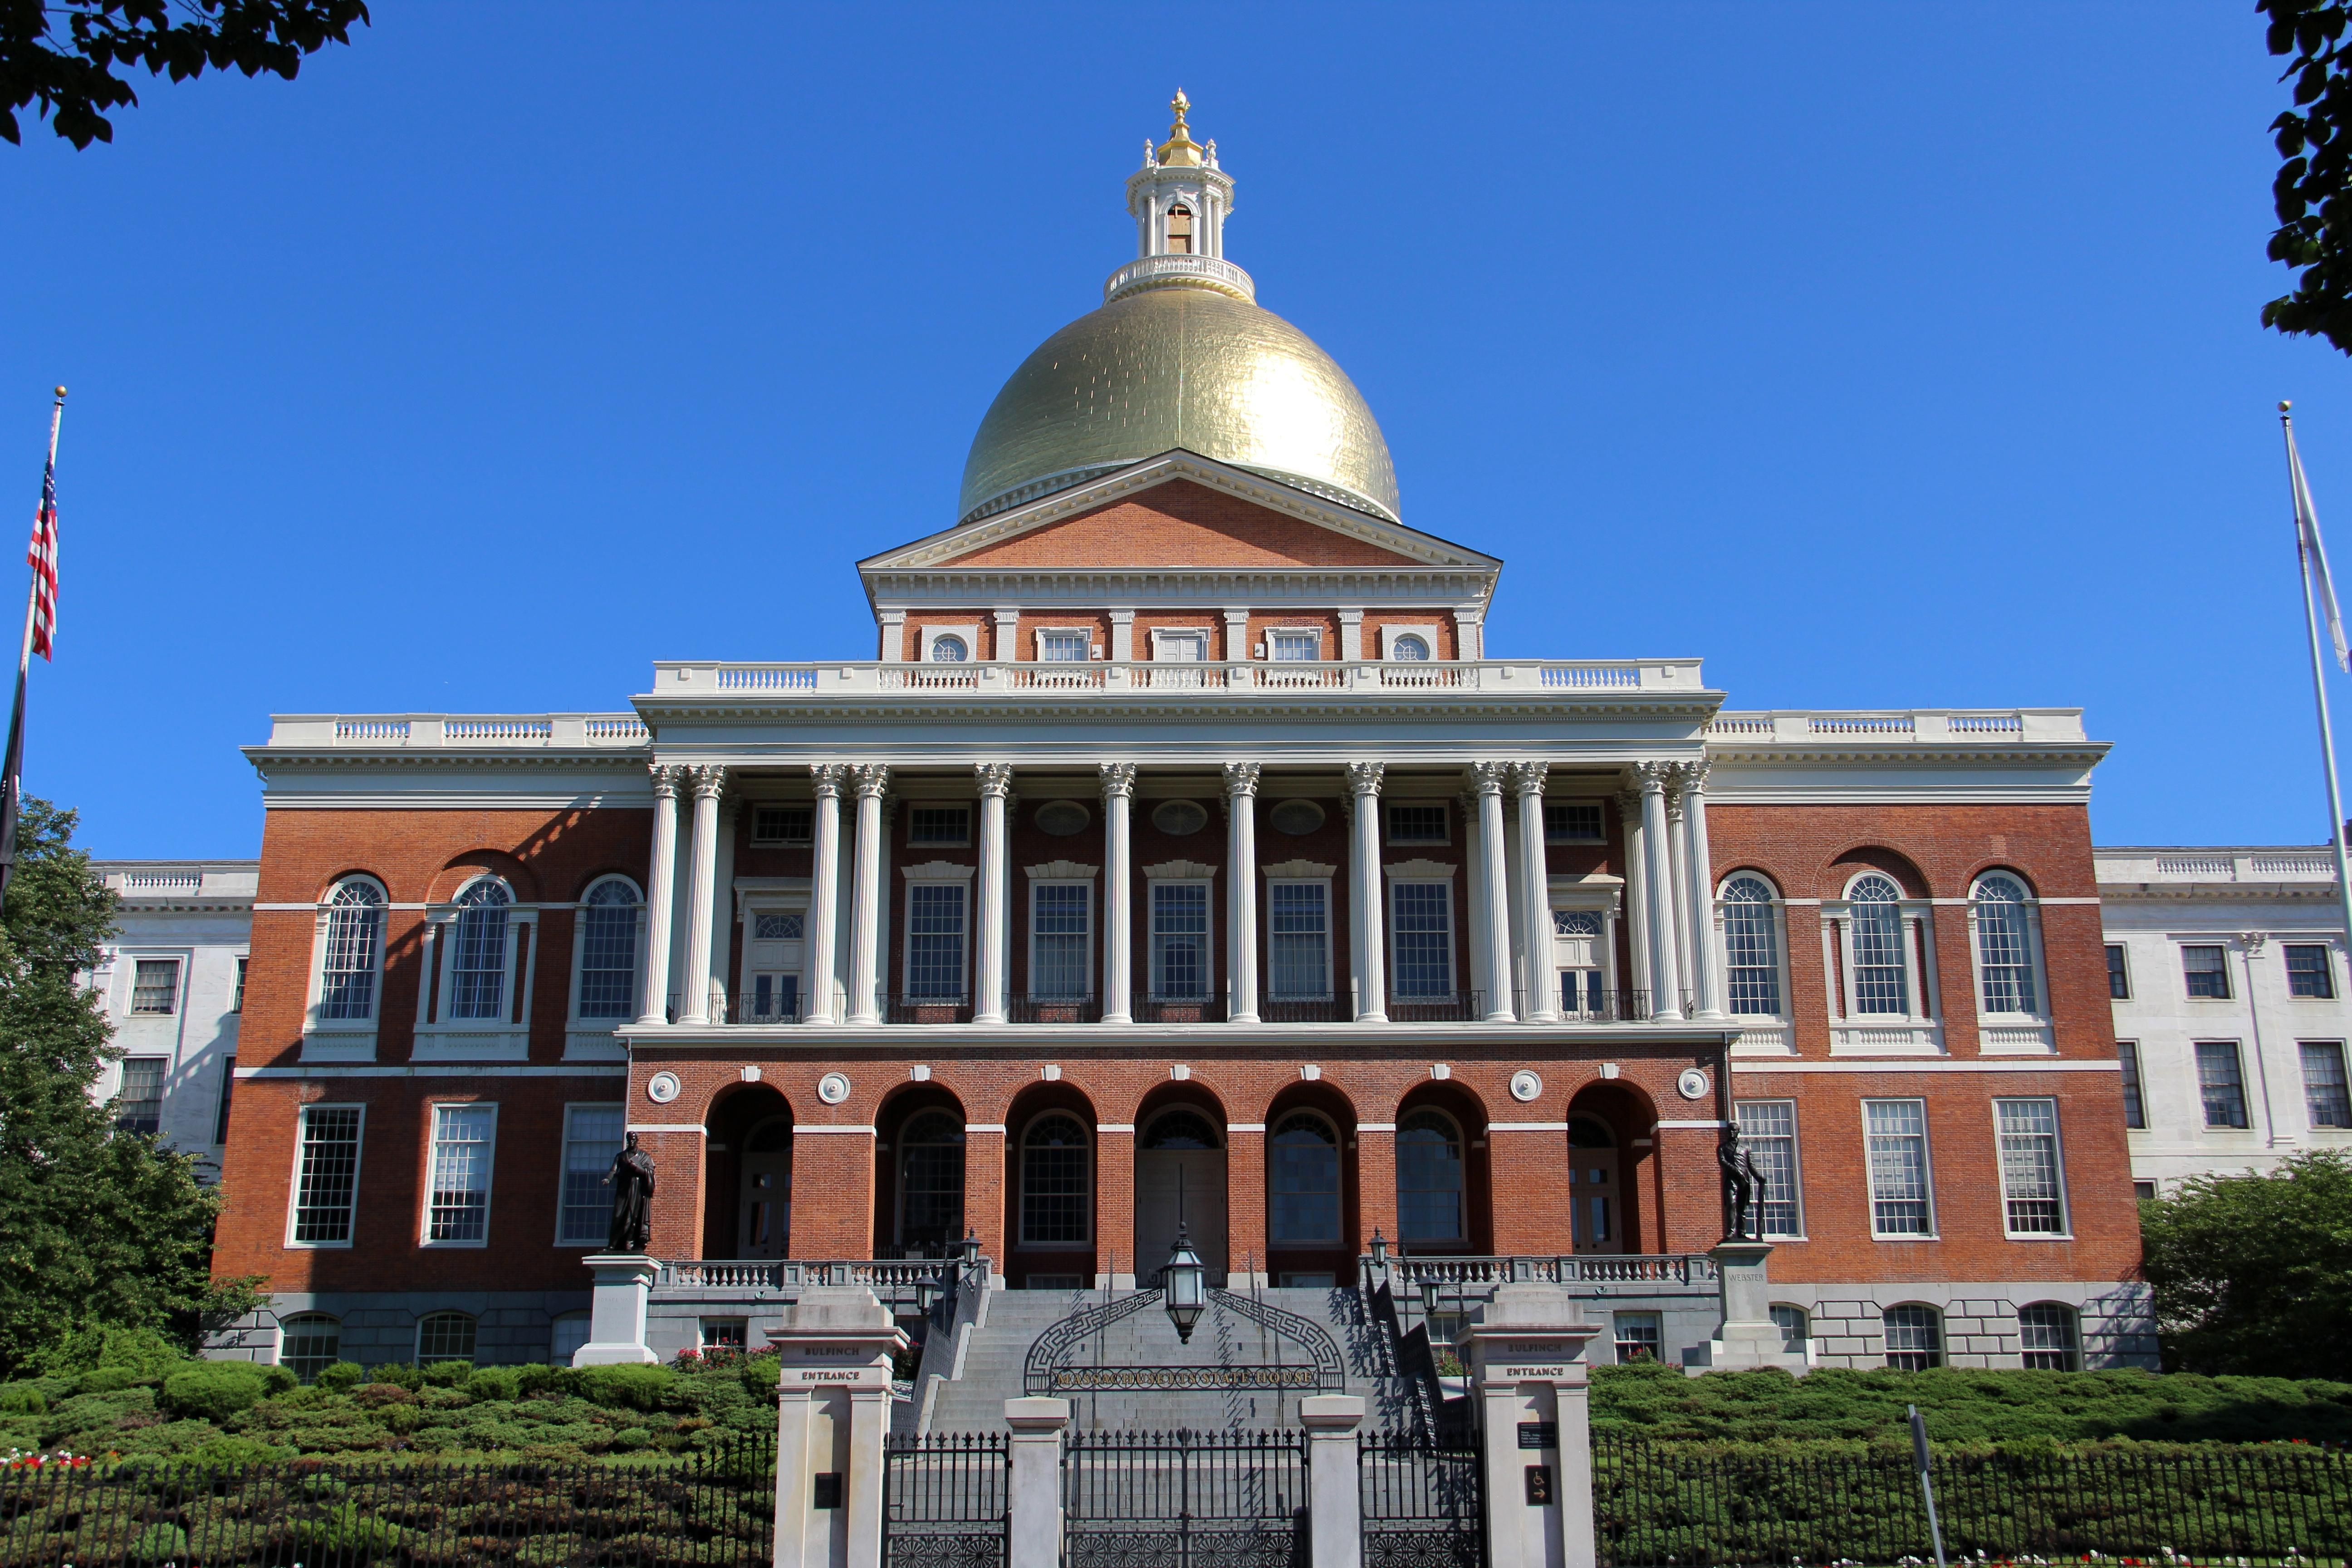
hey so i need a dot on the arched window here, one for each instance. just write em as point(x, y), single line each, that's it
point(2047, 1336)
point(2002, 915)
point(309, 1343)
point(1306, 1181)
point(1054, 1182)
point(351, 951)
point(1915, 1337)
point(1429, 1178)
point(1751, 945)
point(1181, 1129)
point(1881, 981)
point(1179, 231)
point(948, 650)
point(931, 1180)
point(444, 1336)
point(477, 958)
point(608, 950)
point(1408, 645)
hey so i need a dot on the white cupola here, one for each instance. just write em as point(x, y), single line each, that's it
point(1180, 200)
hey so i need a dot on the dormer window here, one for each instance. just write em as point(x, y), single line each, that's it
point(1179, 231)
point(948, 650)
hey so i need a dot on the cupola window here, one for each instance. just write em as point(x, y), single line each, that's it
point(1179, 231)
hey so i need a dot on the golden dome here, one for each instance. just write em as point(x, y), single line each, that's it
point(1170, 367)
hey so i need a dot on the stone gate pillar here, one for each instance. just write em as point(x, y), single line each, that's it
point(1335, 1498)
point(1033, 1488)
point(833, 1412)
point(1529, 1387)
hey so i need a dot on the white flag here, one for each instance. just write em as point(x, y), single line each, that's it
point(2314, 555)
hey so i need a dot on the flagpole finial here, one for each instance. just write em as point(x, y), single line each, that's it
point(61, 395)
point(2284, 404)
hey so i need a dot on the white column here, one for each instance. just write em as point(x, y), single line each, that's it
point(1351, 633)
point(873, 779)
point(701, 881)
point(1678, 876)
point(1535, 884)
point(988, 949)
point(1698, 896)
point(1658, 893)
point(1494, 907)
point(825, 892)
point(1122, 636)
point(1469, 633)
point(1473, 859)
point(1005, 646)
point(1237, 639)
point(1241, 883)
point(1117, 911)
point(1364, 873)
point(1335, 1505)
point(1635, 925)
point(661, 877)
point(891, 626)
point(1033, 1482)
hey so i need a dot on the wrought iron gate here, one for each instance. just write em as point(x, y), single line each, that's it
point(945, 1500)
point(1420, 1500)
point(1185, 1499)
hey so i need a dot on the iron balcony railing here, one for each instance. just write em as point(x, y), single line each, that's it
point(1180, 1009)
point(1457, 1007)
point(1305, 1010)
point(752, 1009)
point(1054, 1010)
point(905, 1009)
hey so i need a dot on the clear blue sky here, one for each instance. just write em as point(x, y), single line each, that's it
point(1881, 355)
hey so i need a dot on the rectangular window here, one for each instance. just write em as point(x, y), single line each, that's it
point(2134, 1101)
point(2324, 1092)
point(1900, 1202)
point(1417, 823)
point(1572, 822)
point(1179, 940)
point(1767, 1127)
point(2144, 1192)
point(2220, 1083)
point(1298, 940)
point(1576, 951)
point(950, 825)
point(459, 1208)
point(237, 997)
point(2206, 971)
point(2032, 1186)
point(1063, 648)
point(1061, 928)
point(2118, 976)
point(591, 1136)
point(2308, 973)
point(156, 986)
point(328, 1177)
point(139, 1106)
point(1637, 1336)
point(1423, 916)
point(725, 1336)
point(220, 1111)
point(785, 824)
point(1295, 645)
point(935, 928)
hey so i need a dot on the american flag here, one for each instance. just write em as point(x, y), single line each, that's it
point(42, 556)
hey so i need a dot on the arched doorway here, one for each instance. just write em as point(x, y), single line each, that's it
point(1180, 1173)
point(1050, 1186)
point(764, 1206)
point(929, 1186)
point(1442, 1195)
point(1610, 1169)
point(747, 1174)
point(1596, 1186)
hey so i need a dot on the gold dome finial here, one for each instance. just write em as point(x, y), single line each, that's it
point(1180, 149)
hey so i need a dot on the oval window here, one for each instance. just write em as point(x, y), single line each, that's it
point(1409, 647)
point(1295, 816)
point(948, 650)
point(1179, 818)
point(1063, 817)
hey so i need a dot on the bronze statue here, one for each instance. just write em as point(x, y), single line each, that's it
point(1748, 1186)
point(632, 1180)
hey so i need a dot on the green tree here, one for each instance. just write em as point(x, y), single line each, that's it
point(2313, 190)
point(98, 1230)
point(2254, 1273)
point(74, 78)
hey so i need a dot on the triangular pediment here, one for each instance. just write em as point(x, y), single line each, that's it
point(1179, 512)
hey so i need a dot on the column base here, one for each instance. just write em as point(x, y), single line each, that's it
point(1748, 1337)
point(616, 1322)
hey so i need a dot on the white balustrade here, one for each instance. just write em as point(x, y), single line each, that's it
point(1047, 680)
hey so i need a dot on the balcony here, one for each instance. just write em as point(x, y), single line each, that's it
point(901, 1008)
point(1054, 1010)
point(1180, 1009)
point(1110, 681)
point(1174, 271)
point(1458, 1008)
point(1305, 1010)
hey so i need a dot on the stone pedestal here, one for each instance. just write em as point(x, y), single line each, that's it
point(833, 1412)
point(1033, 1488)
point(616, 1318)
point(1532, 1392)
point(1335, 1501)
point(1748, 1337)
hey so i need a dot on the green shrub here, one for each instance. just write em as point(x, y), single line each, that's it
point(759, 1374)
point(446, 1373)
point(376, 1396)
point(143, 1351)
point(536, 1377)
point(278, 1380)
point(109, 1380)
point(215, 1390)
point(400, 1375)
point(495, 1382)
point(631, 1438)
point(230, 1451)
point(626, 1387)
point(342, 1377)
point(161, 1541)
point(26, 1399)
point(349, 1534)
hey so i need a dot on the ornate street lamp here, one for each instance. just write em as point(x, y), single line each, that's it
point(1380, 1248)
point(1184, 1286)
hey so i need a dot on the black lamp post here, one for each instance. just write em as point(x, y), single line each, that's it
point(1380, 1247)
point(1184, 1286)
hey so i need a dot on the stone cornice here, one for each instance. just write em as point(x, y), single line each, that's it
point(1446, 708)
point(1942, 754)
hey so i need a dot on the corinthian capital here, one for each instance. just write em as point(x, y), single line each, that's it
point(710, 782)
point(667, 779)
point(826, 779)
point(1240, 780)
point(1691, 777)
point(872, 779)
point(1527, 779)
point(1364, 778)
point(1650, 778)
point(994, 778)
point(1488, 778)
point(1118, 780)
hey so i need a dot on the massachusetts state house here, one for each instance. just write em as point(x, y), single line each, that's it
point(1179, 846)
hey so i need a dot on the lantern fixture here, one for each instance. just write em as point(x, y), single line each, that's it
point(1380, 1248)
point(1184, 1286)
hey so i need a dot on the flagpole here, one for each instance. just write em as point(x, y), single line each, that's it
point(2302, 547)
point(12, 770)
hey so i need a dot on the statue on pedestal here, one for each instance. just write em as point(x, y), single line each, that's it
point(632, 1180)
point(1748, 1184)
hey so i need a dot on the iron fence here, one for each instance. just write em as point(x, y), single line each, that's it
point(1185, 1499)
point(1419, 1500)
point(2267, 1503)
point(946, 1502)
point(716, 1508)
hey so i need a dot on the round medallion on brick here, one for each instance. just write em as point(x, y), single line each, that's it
point(833, 1088)
point(1694, 1083)
point(662, 1088)
point(1525, 1084)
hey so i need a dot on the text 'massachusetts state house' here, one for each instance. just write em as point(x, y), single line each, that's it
point(1182, 843)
